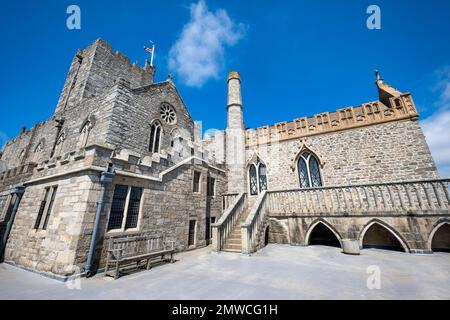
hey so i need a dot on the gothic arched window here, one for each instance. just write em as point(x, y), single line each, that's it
point(155, 137)
point(39, 147)
point(257, 177)
point(84, 134)
point(309, 171)
point(59, 144)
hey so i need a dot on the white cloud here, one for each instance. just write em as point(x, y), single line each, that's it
point(198, 54)
point(437, 126)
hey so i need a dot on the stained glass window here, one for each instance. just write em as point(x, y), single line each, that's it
point(309, 171)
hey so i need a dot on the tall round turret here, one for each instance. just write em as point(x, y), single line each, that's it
point(235, 135)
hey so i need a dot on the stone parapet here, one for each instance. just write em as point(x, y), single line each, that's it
point(347, 118)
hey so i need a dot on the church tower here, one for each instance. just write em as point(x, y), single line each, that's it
point(235, 135)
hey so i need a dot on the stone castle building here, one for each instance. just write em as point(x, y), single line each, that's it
point(121, 155)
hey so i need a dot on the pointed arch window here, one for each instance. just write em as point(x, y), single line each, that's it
point(309, 171)
point(39, 147)
point(155, 137)
point(59, 144)
point(257, 178)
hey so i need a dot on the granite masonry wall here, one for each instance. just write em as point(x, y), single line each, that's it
point(387, 152)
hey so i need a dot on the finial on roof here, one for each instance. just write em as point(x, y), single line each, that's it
point(379, 80)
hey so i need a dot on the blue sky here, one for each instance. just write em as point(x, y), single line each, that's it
point(295, 58)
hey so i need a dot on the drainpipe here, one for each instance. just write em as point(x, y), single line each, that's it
point(19, 191)
point(105, 180)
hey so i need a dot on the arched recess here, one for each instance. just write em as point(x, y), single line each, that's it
point(322, 233)
point(59, 144)
point(439, 239)
point(266, 236)
point(377, 234)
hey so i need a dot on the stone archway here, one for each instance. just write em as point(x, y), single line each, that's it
point(320, 233)
point(266, 236)
point(439, 239)
point(380, 236)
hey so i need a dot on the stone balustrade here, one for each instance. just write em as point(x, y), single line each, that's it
point(222, 228)
point(253, 227)
point(228, 199)
point(416, 197)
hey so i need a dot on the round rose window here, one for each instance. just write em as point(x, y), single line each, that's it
point(168, 113)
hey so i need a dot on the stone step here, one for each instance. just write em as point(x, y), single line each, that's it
point(232, 250)
point(234, 241)
point(234, 237)
point(232, 246)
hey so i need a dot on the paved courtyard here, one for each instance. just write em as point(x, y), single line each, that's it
point(276, 272)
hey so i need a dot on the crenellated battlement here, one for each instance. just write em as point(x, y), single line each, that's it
point(120, 56)
point(347, 118)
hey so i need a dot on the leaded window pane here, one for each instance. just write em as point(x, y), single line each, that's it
point(253, 181)
point(303, 173)
point(117, 207)
point(133, 208)
point(314, 172)
point(262, 177)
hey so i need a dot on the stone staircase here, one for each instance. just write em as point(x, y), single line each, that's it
point(234, 241)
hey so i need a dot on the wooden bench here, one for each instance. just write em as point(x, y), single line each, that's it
point(137, 248)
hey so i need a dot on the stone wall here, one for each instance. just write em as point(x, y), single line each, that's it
point(167, 208)
point(51, 250)
point(94, 95)
point(392, 151)
point(135, 111)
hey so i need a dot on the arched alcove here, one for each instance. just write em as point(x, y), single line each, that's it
point(377, 235)
point(440, 238)
point(266, 237)
point(321, 234)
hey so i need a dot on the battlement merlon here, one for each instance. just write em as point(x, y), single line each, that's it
point(400, 106)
